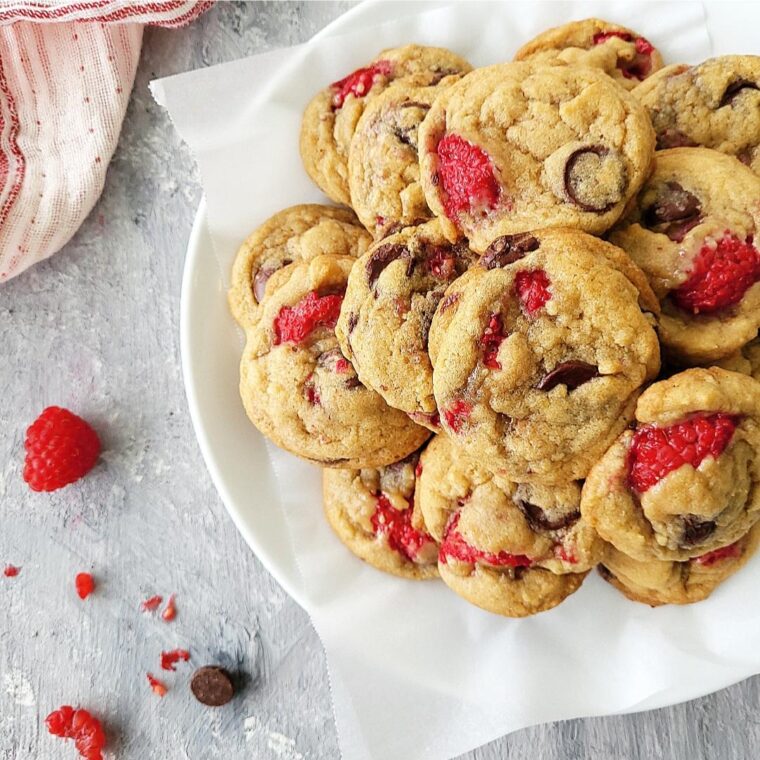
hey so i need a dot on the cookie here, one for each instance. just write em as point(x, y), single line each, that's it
point(539, 352)
point(331, 116)
point(520, 146)
point(715, 105)
point(746, 360)
point(298, 233)
point(693, 229)
point(514, 549)
point(392, 294)
point(655, 582)
point(684, 481)
point(373, 513)
point(300, 391)
point(620, 53)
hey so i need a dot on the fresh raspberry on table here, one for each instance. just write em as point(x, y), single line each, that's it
point(60, 448)
point(81, 726)
point(85, 585)
point(171, 658)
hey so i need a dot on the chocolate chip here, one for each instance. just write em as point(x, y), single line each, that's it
point(518, 572)
point(734, 90)
point(448, 301)
point(672, 138)
point(439, 74)
point(262, 276)
point(507, 249)
point(327, 357)
point(212, 686)
point(382, 257)
point(674, 212)
point(594, 178)
point(353, 320)
point(696, 530)
point(745, 156)
point(605, 572)
point(407, 136)
point(539, 520)
point(352, 382)
point(414, 104)
point(573, 374)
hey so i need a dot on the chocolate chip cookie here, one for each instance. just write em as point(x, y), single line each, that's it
point(521, 146)
point(693, 229)
point(332, 115)
point(746, 360)
point(297, 387)
point(298, 233)
point(621, 53)
point(539, 353)
point(514, 549)
point(373, 513)
point(686, 480)
point(392, 294)
point(715, 104)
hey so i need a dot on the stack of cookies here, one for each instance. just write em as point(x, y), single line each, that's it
point(529, 347)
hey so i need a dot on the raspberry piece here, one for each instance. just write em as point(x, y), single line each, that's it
point(720, 277)
point(560, 552)
point(170, 611)
point(85, 585)
point(81, 726)
point(441, 263)
point(657, 451)
point(158, 687)
point(455, 547)
point(11, 571)
point(295, 323)
point(493, 337)
point(456, 415)
point(418, 469)
point(533, 289)
point(170, 659)
point(725, 552)
point(396, 526)
point(60, 449)
point(342, 365)
point(641, 65)
point(467, 177)
point(601, 37)
point(359, 82)
point(151, 604)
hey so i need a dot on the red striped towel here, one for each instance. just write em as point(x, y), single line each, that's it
point(66, 71)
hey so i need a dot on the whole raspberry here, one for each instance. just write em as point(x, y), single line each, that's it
point(294, 324)
point(60, 449)
point(657, 451)
point(359, 82)
point(81, 726)
point(396, 526)
point(721, 275)
point(85, 585)
point(533, 289)
point(455, 547)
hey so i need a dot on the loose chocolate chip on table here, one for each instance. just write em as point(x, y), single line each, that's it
point(539, 520)
point(212, 686)
point(507, 249)
point(735, 89)
point(695, 530)
point(382, 257)
point(572, 374)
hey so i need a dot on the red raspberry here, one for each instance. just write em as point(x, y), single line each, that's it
point(158, 687)
point(170, 611)
point(492, 338)
point(81, 726)
point(601, 37)
point(466, 176)
point(641, 65)
point(60, 449)
point(359, 82)
point(566, 555)
point(11, 571)
point(456, 415)
point(720, 277)
point(725, 552)
point(657, 451)
point(396, 526)
point(533, 289)
point(85, 585)
point(170, 659)
point(455, 547)
point(295, 323)
point(441, 263)
point(151, 604)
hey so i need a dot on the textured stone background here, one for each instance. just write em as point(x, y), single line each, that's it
point(96, 329)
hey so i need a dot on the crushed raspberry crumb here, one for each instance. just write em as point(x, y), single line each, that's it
point(533, 289)
point(170, 611)
point(441, 263)
point(726, 552)
point(455, 547)
point(85, 585)
point(566, 555)
point(81, 726)
point(11, 571)
point(342, 365)
point(641, 65)
point(720, 277)
point(493, 337)
point(151, 604)
point(170, 659)
point(467, 177)
point(456, 415)
point(396, 526)
point(158, 687)
point(60, 449)
point(295, 323)
point(310, 390)
point(657, 451)
point(359, 82)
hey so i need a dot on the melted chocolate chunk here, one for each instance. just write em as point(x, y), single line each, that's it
point(507, 249)
point(672, 138)
point(539, 520)
point(262, 276)
point(734, 90)
point(696, 530)
point(407, 136)
point(328, 357)
point(605, 572)
point(582, 186)
point(382, 257)
point(674, 212)
point(573, 374)
point(353, 320)
point(448, 301)
point(352, 382)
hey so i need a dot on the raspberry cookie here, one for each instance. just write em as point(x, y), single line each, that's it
point(621, 53)
point(684, 481)
point(657, 582)
point(392, 294)
point(539, 353)
point(715, 104)
point(514, 549)
point(372, 511)
point(521, 146)
point(332, 115)
point(694, 231)
point(298, 233)
point(297, 387)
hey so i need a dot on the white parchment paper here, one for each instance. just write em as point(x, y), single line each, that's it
point(416, 672)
